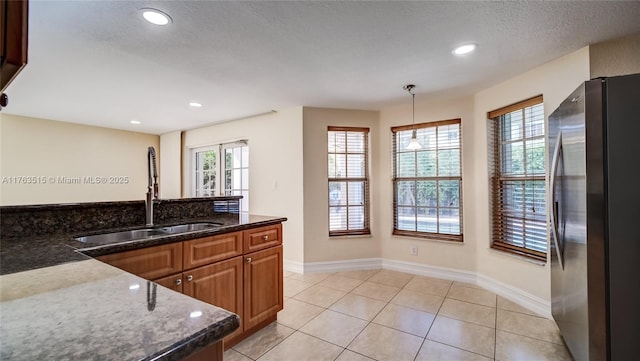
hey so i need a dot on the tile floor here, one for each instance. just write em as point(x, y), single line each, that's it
point(387, 315)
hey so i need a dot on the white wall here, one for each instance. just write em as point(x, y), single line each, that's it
point(431, 252)
point(318, 246)
point(615, 57)
point(170, 165)
point(275, 167)
point(51, 149)
point(555, 81)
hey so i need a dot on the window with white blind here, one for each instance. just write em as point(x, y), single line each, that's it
point(517, 169)
point(427, 182)
point(348, 162)
point(221, 169)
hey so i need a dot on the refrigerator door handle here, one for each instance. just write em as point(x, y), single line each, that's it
point(554, 211)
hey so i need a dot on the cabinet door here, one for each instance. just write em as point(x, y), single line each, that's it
point(263, 237)
point(14, 26)
point(203, 251)
point(262, 285)
point(150, 263)
point(219, 284)
point(173, 282)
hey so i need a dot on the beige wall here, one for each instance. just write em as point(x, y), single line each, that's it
point(170, 162)
point(430, 252)
point(275, 163)
point(51, 149)
point(615, 57)
point(555, 81)
point(318, 246)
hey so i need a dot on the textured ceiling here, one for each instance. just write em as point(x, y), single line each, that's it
point(99, 63)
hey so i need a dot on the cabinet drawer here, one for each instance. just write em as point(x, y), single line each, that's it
point(263, 237)
point(203, 251)
point(150, 263)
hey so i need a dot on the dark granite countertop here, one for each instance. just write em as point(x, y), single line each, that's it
point(58, 303)
point(22, 254)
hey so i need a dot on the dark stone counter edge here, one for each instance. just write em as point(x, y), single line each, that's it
point(214, 332)
point(198, 341)
point(102, 250)
point(22, 208)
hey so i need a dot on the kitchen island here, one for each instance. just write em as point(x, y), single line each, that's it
point(57, 302)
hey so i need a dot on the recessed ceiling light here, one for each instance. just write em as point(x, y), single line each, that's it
point(135, 122)
point(195, 104)
point(464, 49)
point(155, 16)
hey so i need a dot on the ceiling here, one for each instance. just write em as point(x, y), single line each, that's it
point(99, 63)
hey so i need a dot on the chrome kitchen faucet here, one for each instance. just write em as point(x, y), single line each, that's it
point(152, 190)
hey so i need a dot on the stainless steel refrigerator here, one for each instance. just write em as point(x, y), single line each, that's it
point(594, 180)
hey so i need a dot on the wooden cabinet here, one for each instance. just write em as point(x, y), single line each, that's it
point(263, 237)
point(262, 286)
point(219, 284)
point(238, 271)
point(150, 263)
point(173, 282)
point(14, 25)
point(207, 250)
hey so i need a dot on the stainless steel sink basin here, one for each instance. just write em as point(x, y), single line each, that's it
point(145, 233)
point(116, 237)
point(190, 227)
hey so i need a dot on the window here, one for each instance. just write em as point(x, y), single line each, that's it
point(427, 182)
point(207, 168)
point(517, 169)
point(348, 161)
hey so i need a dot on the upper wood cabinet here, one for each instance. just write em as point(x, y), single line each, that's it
point(150, 263)
point(264, 237)
point(14, 25)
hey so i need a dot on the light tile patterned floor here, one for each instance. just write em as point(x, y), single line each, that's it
point(387, 315)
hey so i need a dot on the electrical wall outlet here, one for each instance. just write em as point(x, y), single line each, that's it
point(414, 250)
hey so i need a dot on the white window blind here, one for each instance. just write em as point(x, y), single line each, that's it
point(348, 178)
point(427, 182)
point(517, 167)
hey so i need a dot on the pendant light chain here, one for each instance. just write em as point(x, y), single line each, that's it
point(413, 144)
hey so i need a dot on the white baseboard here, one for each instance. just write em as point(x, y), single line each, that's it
point(347, 265)
point(522, 298)
point(429, 271)
point(293, 266)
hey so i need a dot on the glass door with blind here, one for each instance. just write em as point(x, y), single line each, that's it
point(236, 172)
point(221, 169)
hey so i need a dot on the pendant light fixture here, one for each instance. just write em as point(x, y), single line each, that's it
point(413, 143)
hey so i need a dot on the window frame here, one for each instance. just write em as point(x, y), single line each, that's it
point(437, 178)
point(498, 179)
point(366, 230)
point(221, 187)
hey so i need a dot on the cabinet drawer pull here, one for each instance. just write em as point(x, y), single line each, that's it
point(265, 238)
point(248, 259)
point(189, 278)
point(178, 281)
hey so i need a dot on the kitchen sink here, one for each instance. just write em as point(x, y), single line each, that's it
point(190, 227)
point(145, 233)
